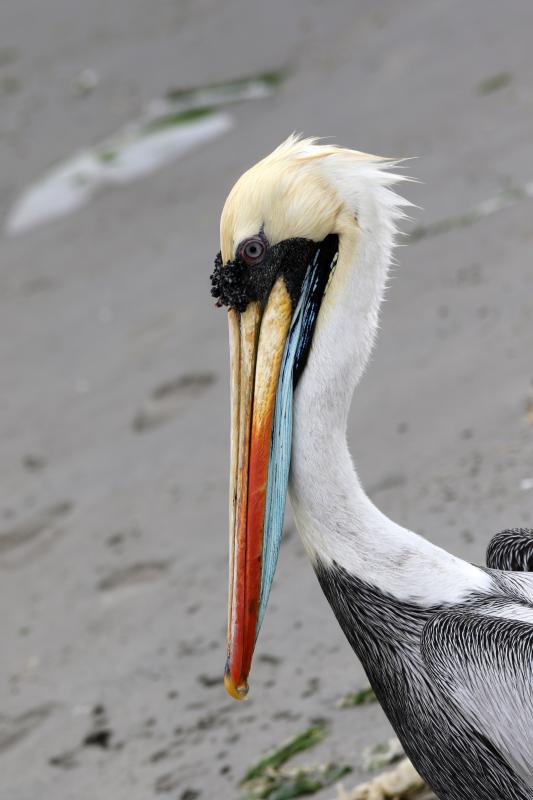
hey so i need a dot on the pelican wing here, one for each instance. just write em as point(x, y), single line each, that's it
point(511, 549)
point(484, 664)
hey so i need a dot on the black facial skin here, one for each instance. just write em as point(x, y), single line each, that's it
point(238, 283)
point(327, 260)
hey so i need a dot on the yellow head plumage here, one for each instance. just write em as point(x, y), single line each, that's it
point(287, 195)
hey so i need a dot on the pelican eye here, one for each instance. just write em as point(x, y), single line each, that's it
point(252, 251)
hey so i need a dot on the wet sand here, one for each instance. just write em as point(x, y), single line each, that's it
point(114, 377)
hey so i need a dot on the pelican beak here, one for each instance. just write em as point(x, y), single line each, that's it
point(269, 344)
point(258, 339)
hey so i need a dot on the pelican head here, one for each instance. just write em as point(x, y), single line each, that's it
point(306, 237)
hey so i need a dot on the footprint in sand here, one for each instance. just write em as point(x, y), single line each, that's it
point(168, 399)
point(33, 527)
point(136, 574)
point(15, 729)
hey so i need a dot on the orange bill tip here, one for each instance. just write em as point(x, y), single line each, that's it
point(238, 692)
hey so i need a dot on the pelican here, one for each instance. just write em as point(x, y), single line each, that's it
point(306, 241)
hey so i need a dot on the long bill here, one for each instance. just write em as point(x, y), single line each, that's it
point(258, 340)
point(268, 350)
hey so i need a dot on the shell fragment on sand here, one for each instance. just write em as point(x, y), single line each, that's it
point(171, 127)
point(381, 754)
point(119, 161)
point(401, 783)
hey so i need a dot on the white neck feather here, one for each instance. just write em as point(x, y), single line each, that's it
point(335, 518)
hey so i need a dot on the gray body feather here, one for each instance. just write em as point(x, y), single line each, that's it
point(456, 681)
point(485, 667)
point(511, 550)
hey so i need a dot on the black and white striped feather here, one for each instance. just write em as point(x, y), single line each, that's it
point(455, 680)
point(511, 550)
point(484, 665)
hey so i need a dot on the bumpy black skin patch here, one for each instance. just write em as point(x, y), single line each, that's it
point(236, 284)
point(229, 284)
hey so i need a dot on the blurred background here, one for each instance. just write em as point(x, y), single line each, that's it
point(122, 127)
